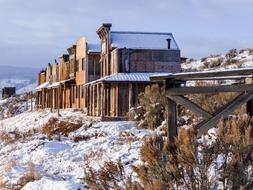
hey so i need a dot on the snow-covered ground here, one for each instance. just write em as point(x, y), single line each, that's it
point(241, 59)
point(59, 162)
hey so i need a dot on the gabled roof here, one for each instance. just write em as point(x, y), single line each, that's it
point(93, 48)
point(142, 40)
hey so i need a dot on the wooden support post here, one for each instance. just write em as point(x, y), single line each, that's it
point(130, 94)
point(93, 100)
point(102, 101)
point(172, 120)
point(250, 108)
point(90, 100)
point(58, 100)
point(51, 100)
point(98, 100)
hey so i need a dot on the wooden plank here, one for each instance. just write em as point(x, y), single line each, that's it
point(191, 106)
point(204, 126)
point(208, 89)
point(250, 107)
point(98, 100)
point(172, 120)
point(203, 74)
point(102, 100)
point(130, 94)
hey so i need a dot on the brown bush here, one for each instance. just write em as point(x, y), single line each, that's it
point(29, 176)
point(187, 164)
point(190, 163)
point(54, 127)
point(231, 54)
point(151, 108)
point(110, 177)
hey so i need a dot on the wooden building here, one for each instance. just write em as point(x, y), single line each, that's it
point(7, 92)
point(64, 83)
point(106, 79)
point(127, 61)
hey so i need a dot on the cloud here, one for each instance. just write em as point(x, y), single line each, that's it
point(35, 32)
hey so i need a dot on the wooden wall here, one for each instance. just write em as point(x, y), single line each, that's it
point(135, 60)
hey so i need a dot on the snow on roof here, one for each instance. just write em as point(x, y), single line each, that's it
point(125, 77)
point(142, 40)
point(44, 85)
point(94, 48)
point(54, 85)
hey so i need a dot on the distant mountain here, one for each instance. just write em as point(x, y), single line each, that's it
point(11, 72)
point(23, 78)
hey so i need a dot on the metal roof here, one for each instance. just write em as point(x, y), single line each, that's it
point(40, 87)
point(142, 40)
point(94, 48)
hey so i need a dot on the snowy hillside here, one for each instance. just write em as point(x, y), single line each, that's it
point(233, 59)
point(59, 160)
point(23, 78)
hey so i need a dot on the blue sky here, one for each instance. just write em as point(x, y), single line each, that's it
point(35, 32)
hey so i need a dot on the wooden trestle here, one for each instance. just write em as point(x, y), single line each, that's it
point(176, 90)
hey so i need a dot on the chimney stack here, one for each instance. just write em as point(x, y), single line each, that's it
point(169, 43)
point(107, 25)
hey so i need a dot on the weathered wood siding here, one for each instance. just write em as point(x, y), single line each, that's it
point(135, 60)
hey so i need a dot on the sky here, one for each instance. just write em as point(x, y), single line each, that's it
point(35, 32)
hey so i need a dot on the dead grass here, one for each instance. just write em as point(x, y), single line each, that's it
point(29, 176)
point(186, 164)
point(54, 127)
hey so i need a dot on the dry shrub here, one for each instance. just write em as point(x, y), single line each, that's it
point(231, 54)
point(10, 137)
point(29, 176)
point(54, 127)
point(212, 102)
point(9, 165)
point(192, 164)
point(110, 177)
point(223, 162)
point(151, 109)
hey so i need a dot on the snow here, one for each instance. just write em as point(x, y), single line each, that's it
point(28, 88)
point(61, 161)
point(44, 85)
point(49, 184)
point(142, 40)
point(94, 48)
point(54, 85)
point(140, 77)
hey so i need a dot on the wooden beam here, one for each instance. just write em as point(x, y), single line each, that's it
point(250, 107)
point(130, 94)
point(102, 100)
point(172, 120)
point(98, 100)
point(191, 106)
point(203, 74)
point(208, 89)
point(204, 126)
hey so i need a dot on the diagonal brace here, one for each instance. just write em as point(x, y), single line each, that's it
point(227, 109)
point(191, 106)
